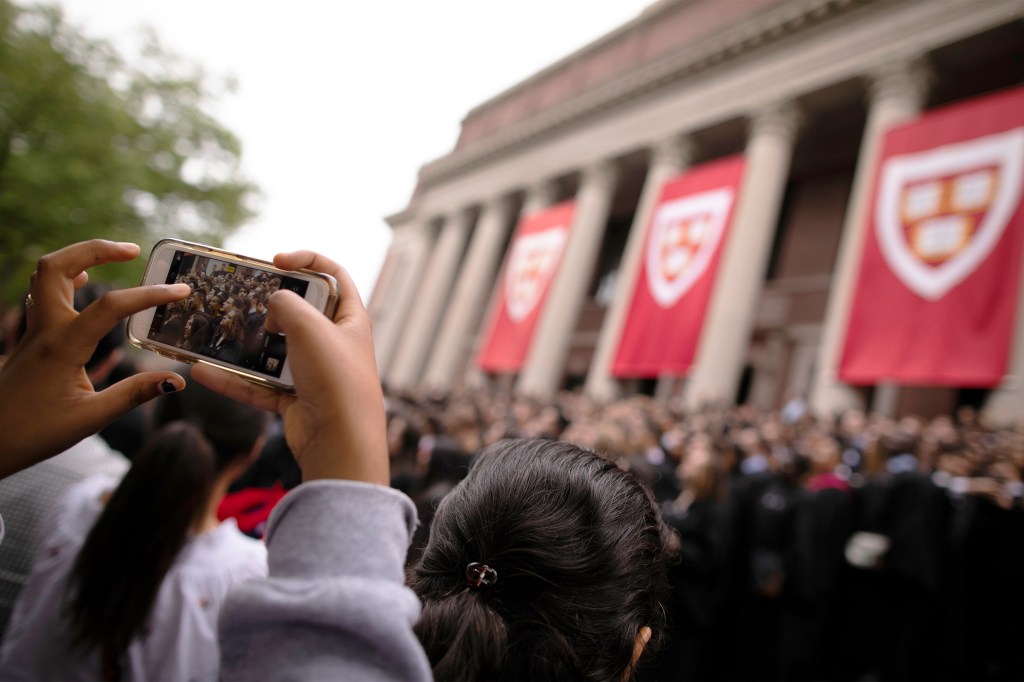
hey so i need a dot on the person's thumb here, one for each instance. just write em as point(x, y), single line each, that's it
point(129, 393)
point(291, 315)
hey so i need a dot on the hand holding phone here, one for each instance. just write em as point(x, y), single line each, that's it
point(334, 423)
point(47, 403)
point(223, 320)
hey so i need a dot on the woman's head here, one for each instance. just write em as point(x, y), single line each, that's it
point(579, 551)
point(403, 437)
point(231, 428)
point(197, 331)
point(231, 325)
point(202, 439)
point(700, 470)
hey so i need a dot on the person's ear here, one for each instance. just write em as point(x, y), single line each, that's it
point(257, 448)
point(642, 638)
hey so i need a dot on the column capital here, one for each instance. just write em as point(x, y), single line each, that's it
point(676, 152)
point(602, 174)
point(498, 203)
point(461, 215)
point(907, 78)
point(435, 222)
point(777, 118)
point(541, 194)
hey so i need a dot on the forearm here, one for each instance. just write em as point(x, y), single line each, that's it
point(335, 605)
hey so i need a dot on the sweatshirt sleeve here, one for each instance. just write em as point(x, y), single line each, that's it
point(335, 605)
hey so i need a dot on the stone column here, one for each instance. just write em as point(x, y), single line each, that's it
point(430, 300)
point(414, 243)
point(896, 95)
point(801, 370)
point(462, 317)
point(376, 307)
point(670, 157)
point(381, 308)
point(768, 370)
point(540, 195)
point(739, 283)
point(542, 373)
point(886, 399)
point(1005, 406)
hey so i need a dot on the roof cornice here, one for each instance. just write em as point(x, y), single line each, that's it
point(649, 14)
point(769, 27)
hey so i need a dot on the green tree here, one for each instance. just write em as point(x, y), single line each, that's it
point(92, 146)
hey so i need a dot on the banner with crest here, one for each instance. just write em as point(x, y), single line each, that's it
point(683, 244)
point(937, 292)
point(530, 266)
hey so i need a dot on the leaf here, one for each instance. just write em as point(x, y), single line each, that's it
point(94, 146)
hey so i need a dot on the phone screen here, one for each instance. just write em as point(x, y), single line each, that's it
point(224, 317)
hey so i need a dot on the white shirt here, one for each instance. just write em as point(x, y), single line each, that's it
point(181, 636)
point(28, 499)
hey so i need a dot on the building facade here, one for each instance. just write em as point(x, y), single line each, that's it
point(804, 89)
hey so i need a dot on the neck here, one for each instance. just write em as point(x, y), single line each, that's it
point(685, 499)
point(208, 521)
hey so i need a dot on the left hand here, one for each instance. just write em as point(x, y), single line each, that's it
point(47, 403)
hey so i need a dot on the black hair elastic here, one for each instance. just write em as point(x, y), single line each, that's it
point(480, 575)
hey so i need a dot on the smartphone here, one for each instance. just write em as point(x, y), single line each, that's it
point(222, 322)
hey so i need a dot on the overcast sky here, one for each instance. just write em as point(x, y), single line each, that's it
point(339, 103)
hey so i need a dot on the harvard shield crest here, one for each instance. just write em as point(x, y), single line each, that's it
point(532, 263)
point(940, 212)
point(685, 233)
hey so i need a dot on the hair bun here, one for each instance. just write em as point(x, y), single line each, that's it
point(480, 575)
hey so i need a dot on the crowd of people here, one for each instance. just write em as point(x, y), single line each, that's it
point(223, 317)
point(856, 547)
point(478, 535)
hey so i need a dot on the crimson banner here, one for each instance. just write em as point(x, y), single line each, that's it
point(937, 292)
point(532, 261)
point(684, 241)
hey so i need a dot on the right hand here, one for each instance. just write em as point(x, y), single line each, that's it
point(335, 423)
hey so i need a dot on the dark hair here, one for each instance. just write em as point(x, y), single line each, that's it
point(113, 339)
point(898, 443)
point(236, 330)
point(118, 572)
point(447, 465)
point(200, 333)
point(410, 436)
point(580, 552)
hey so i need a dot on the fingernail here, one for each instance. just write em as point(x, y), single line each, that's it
point(167, 387)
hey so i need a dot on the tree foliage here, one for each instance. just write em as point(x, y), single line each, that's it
point(92, 146)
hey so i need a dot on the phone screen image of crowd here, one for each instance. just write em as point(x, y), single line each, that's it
point(224, 316)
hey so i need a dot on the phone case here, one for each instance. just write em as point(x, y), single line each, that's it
point(184, 357)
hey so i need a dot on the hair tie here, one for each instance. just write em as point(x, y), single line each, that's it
point(480, 575)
